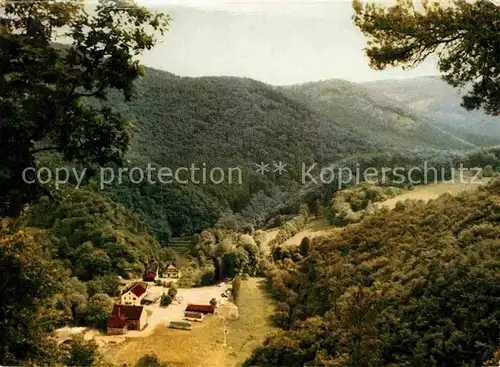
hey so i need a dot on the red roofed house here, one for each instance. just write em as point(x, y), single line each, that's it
point(200, 308)
point(125, 318)
point(132, 296)
point(150, 276)
point(117, 325)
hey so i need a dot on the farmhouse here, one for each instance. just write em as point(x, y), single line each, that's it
point(172, 272)
point(134, 294)
point(125, 318)
point(200, 308)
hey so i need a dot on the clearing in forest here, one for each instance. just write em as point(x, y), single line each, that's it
point(203, 345)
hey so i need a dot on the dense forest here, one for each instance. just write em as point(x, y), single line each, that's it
point(236, 122)
point(224, 122)
point(414, 286)
point(62, 260)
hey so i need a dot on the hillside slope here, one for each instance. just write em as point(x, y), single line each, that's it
point(223, 122)
point(237, 122)
point(438, 101)
point(377, 117)
point(226, 120)
point(416, 286)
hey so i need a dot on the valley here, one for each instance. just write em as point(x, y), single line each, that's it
point(239, 122)
point(255, 307)
point(262, 192)
point(270, 230)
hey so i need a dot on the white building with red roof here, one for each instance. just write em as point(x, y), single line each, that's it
point(133, 295)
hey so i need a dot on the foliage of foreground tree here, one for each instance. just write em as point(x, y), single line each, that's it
point(44, 85)
point(28, 284)
point(45, 257)
point(463, 34)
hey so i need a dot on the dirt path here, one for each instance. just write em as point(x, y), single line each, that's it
point(271, 234)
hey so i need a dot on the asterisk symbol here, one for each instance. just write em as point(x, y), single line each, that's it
point(262, 168)
point(280, 167)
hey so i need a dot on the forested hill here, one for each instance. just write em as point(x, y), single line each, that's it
point(391, 122)
point(226, 120)
point(238, 122)
point(223, 122)
point(415, 286)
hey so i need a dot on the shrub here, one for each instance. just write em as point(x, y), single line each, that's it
point(305, 246)
point(108, 284)
point(487, 171)
point(248, 229)
point(172, 292)
point(150, 360)
point(235, 290)
point(166, 300)
point(246, 240)
point(81, 353)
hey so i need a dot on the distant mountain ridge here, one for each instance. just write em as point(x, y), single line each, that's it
point(230, 120)
point(389, 120)
point(439, 102)
point(225, 119)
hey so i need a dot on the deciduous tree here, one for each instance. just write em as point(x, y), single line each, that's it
point(28, 285)
point(45, 86)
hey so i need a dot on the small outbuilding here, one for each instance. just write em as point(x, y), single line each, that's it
point(150, 276)
point(205, 309)
point(150, 298)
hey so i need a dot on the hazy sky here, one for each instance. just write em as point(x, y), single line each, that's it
point(278, 42)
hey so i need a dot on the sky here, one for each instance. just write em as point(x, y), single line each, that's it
point(277, 42)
